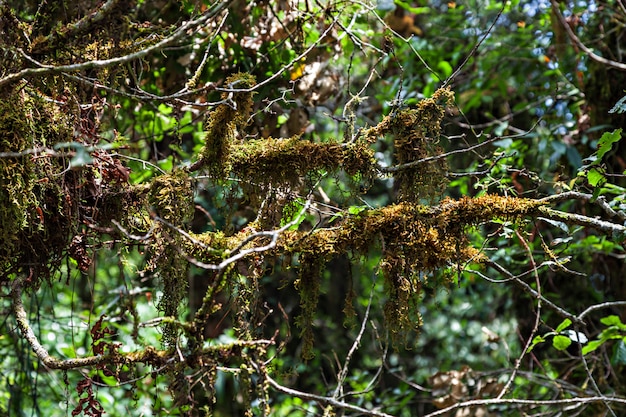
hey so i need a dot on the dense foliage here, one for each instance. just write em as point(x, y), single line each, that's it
point(312, 208)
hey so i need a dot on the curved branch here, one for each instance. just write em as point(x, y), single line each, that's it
point(594, 307)
point(531, 403)
point(574, 195)
point(74, 29)
point(324, 400)
point(102, 63)
point(49, 361)
point(574, 38)
point(149, 355)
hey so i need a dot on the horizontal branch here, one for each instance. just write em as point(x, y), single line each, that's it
point(617, 231)
point(574, 195)
point(531, 403)
point(324, 400)
point(102, 63)
point(149, 355)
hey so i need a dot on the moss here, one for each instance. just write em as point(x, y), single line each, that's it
point(35, 199)
point(416, 240)
point(415, 133)
point(224, 122)
point(171, 198)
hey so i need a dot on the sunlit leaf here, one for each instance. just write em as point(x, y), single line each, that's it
point(607, 140)
point(561, 342)
point(564, 325)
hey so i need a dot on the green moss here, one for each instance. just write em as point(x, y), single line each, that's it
point(415, 133)
point(171, 198)
point(416, 240)
point(34, 200)
point(224, 122)
point(287, 161)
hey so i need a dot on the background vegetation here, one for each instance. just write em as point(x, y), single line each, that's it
point(296, 208)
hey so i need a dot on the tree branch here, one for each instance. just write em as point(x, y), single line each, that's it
point(177, 34)
point(324, 400)
point(574, 38)
point(617, 231)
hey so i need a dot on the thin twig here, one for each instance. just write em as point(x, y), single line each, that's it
point(324, 400)
point(582, 46)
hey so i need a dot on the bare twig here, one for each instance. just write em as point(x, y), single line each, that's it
point(574, 195)
point(324, 400)
point(357, 341)
point(527, 288)
point(594, 307)
point(518, 361)
point(475, 48)
point(578, 401)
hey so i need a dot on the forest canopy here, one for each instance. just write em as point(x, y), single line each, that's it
point(298, 208)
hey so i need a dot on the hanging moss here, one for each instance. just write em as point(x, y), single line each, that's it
point(171, 198)
point(224, 122)
point(36, 201)
point(416, 240)
point(415, 133)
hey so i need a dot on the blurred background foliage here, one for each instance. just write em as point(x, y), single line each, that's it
point(326, 70)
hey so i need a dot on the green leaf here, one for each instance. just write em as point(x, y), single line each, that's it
point(593, 345)
point(620, 106)
point(595, 177)
point(536, 340)
point(561, 342)
point(415, 10)
point(607, 140)
point(445, 68)
point(354, 210)
point(564, 325)
point(619, 354)
point(613, 320)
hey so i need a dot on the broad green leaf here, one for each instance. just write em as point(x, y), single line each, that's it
point(564, 325)
point(619, 354)
point(561, 342)
point(593, 345)
point(445, 68)
point(607, 140)
point(613, 320)
point(595, 177)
